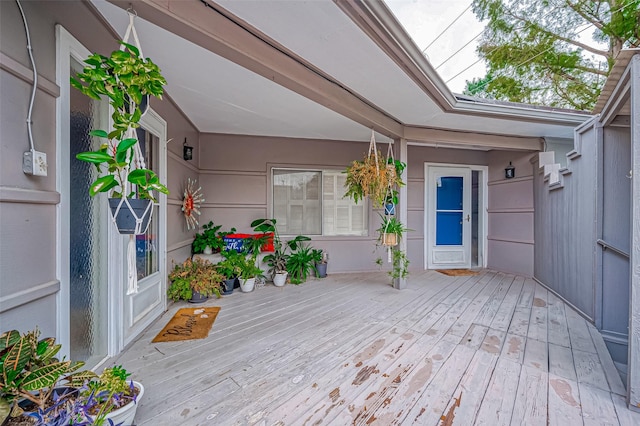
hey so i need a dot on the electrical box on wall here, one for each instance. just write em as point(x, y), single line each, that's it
point(34, 163)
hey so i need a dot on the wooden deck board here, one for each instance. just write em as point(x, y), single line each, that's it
point(350, 349)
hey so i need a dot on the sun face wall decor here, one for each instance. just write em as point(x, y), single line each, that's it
point(191, 204)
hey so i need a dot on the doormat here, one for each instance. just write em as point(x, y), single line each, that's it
point(457, 272)
point(187, 324)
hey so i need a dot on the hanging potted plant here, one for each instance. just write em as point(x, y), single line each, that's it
point(373, 176)
point(390, 231)
point(126, 79)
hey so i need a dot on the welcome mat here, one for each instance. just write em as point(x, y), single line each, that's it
point(457, 272)
point(187, 324)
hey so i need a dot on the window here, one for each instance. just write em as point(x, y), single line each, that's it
point(309, 202)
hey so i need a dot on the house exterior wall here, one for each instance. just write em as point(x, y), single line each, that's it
point(510, 212)
point(29, 281)
point(235, 178)
point(564, 226)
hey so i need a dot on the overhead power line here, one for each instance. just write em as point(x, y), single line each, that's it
point(445, 30)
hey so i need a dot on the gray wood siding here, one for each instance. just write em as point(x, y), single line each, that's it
point(614, 228)
point(28, 205)
point(564, 229)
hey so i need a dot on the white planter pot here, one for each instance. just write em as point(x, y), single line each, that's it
point(207, 250)
point(124, 416)
point(279, 279)
point(247, 285)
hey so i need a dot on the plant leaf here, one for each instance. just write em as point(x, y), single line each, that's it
point(99, 133)
point(103, 184)
point(94, 157)
point(8, 339)
point(45, 377)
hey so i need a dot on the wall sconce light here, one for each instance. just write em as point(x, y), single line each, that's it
point(510, 172)
point(187, 151)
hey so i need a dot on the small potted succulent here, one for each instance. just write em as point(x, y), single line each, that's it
point(127, 80)
point(194, 280)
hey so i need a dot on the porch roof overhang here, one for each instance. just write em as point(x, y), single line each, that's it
point(321, 70)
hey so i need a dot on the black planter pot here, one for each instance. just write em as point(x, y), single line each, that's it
point(321, 269)
point(197, 297)
point(228, 285)
point(126, 218)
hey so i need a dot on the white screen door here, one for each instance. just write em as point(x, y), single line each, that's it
point(448, 211)
point(141, 308)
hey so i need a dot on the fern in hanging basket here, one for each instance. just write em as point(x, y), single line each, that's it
point(369, 178)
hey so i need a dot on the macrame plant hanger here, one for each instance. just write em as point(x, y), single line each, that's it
point(137, 162)
point(373, 149)
point(390, 165)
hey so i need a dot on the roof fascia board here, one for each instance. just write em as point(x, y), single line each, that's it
point(213, 28)
point(490, 141)
point(620, 94)
point(376, 20)
point(379, 23)
point(622, 62)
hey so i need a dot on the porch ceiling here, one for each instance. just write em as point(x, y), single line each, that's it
point(220, 96)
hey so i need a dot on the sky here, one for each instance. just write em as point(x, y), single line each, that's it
point(424, 20)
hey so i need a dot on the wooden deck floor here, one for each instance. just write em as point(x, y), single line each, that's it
point(349, 349)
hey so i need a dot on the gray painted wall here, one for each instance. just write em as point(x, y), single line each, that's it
point(564, 229)
point(614, 228)
point(28, 205)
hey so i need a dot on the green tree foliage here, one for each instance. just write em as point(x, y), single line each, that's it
point(536, 51)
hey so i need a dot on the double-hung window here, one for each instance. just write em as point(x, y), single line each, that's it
point(310, 202)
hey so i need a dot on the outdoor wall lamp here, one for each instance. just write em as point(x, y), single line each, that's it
point(187, 151)
point(510, 172)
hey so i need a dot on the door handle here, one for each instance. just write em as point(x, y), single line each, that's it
point(468, 218)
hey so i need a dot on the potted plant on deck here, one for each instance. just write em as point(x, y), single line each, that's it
point(301, 260)
point(195, 281)
point(211, 240)
point(230, 268)
point(277, 261)
point(321, 259)
point(30, 376)
point(126, 79)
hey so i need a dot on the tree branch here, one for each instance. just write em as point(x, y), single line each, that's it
point(565, 39)
point(596, 22)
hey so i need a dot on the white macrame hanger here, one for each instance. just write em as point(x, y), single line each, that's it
point(138, 163)
point(374, 149)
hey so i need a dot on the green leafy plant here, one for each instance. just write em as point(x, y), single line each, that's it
point(372, 178)
point(400, 264)
point(277, 261)
point(125, 78)
point(194, 275)
point(108, 392)
point(211, 236)
point(390, 226)
point(29, 368)
point(301, 261)
point(230, 266)
point(248, 267)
